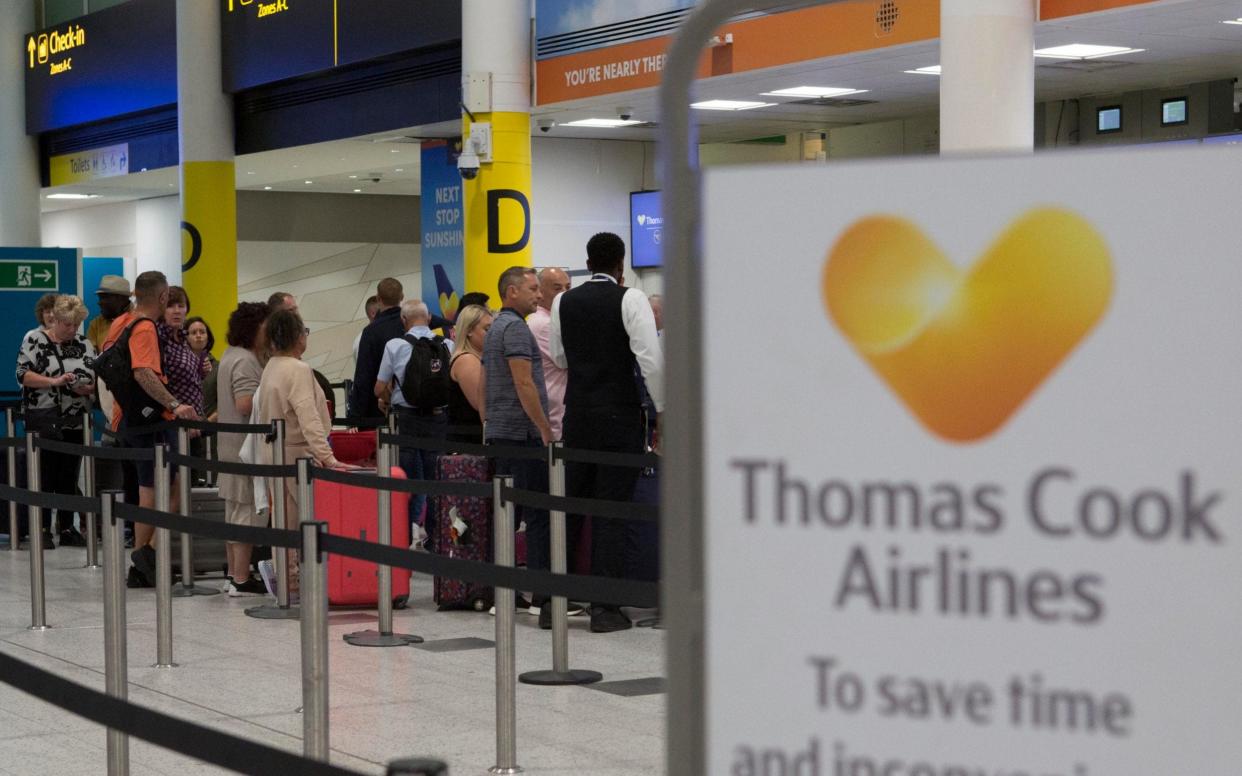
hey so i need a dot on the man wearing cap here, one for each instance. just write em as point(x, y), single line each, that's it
point(113, 294)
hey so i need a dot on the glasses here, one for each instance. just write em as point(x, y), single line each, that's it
point(306, 331)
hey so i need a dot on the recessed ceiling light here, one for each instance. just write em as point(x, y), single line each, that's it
point(295, 166)
point(1083, 51)
point(730, 105)
point(357, 191)
point(400, 169)
point(72, 196)
point(1232, 21)
point(250, 172)
point(813, 92)
point(306, 182)
point(929, 70)
point(267, 188)
point(601, 123)
point(394, 150)
point(353, 177)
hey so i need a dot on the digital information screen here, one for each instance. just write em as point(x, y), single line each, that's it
point(1174, 112)
point(646, 229)
point(1108, 119)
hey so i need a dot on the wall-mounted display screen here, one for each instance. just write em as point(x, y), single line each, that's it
point(646, 229)
point(1174, 112)
point(1108, 119)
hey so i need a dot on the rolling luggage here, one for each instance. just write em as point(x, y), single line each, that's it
point(356, 447)
point(352, 511)
point(463, 530)
point(210, 555)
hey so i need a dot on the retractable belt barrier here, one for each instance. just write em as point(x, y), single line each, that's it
point(232, 467)
point(93, 451)
point(601, 457)
point(203, 743)
point(616, 510)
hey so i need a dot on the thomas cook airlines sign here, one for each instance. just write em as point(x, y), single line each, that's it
point(973, 511)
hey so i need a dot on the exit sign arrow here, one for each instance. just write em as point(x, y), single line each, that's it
point(45, 275)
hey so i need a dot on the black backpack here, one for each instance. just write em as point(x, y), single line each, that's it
point(425, 384)
point(116, 368)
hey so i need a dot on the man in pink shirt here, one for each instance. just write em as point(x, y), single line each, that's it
point(552, 281)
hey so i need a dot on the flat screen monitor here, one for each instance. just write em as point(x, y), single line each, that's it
point(646, 229)
point(1174, 112)
point(1108, 119)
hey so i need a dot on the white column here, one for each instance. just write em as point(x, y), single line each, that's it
point(987, 82)
point(208, 182)
point(19, 153)
point(495, 38)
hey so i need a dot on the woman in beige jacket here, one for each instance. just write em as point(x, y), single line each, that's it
point(288, 391)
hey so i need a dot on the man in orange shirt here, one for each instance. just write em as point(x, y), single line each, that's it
point(149, 403)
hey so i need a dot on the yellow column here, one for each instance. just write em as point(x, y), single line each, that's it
point(497, 203)
point(495, 61)
point(209, 242)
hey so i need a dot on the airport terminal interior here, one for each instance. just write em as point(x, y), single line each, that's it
point(250, 148)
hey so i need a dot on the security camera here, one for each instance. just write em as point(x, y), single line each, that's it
point(468, 165)
point(625, 113)
point(376, 179)
point(545, 125)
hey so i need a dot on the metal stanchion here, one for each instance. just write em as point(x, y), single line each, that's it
point(34, 527)
point(116, 682)
point(314, 639)
point(11, 454)
point(506, 687)
point(561, 673)
point(163, 565)
point(209, 450)
point(384, 637)
point(417, 766)
point(90, 519)
point(282, 610)
point(186, 587)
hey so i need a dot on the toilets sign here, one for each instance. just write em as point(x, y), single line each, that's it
point(20, 275)
point(977, 512)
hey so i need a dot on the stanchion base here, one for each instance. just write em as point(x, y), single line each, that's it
point(651, 622)
point(181, 591)
point(498, 769)
point(371, 638)
point(39, 627)
point(93, 567)
point(273, 612)
point(166, 665)
point(554, 678)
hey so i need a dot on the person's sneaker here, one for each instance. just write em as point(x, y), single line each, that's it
point(134, 579)
point(268, 572)
point(251, 586)
point(545, 613)
point(144, 562)
point(70, 537)
point(609, 621)
point(48, 543)
point(418, 538)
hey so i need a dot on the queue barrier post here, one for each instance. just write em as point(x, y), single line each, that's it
point(11, 456)
point(209, 450)
point(315, 738)
point(506, 687)
point(90, 519)
point(34, 527)
point(561, 674)
point(163, 564)
point(186, 587)
point(280, 557)
point(384, 637)
point(116, 682)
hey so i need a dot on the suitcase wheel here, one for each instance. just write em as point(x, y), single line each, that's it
point(401, 602)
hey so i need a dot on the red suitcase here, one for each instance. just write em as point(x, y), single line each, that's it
point(351, 511)
point(463, 530)
point(356, 447)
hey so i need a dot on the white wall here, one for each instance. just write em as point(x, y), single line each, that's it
point(580, 187)
point(146, 234)
point(158, 227)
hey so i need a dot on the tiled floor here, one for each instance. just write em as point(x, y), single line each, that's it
point(242, 675)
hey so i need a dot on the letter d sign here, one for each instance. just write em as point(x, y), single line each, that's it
point(494, 245)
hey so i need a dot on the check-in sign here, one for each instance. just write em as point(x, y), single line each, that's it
point(18, 275)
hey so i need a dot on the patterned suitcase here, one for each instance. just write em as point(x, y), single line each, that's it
point(351, 511)
point(463, 530)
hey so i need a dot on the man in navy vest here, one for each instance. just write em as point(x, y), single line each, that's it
point(601, 332)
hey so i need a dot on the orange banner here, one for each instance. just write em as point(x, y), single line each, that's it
point(765, 41)
point(1058, 9)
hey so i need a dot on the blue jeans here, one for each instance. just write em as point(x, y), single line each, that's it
point(420, 464)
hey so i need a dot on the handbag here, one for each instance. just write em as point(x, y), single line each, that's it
point(48, 422)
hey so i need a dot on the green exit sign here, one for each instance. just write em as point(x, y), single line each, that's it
point(19, 275)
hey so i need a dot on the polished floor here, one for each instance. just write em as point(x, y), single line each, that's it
point(242, 675)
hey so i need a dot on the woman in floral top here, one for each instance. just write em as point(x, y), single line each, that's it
point(183, 368)
point(54, 370)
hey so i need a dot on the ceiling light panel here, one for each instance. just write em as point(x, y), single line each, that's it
point(929, 70)
point(730, 105)
point(1083, 51)
point(813, 92)
point(601, 123)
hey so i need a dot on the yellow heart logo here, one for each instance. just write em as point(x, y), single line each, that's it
point(963, 351)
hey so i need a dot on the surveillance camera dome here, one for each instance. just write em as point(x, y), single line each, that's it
point(545, 125)
point(468, 165)
point(625, 113)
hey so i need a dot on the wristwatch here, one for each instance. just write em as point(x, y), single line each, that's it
point(175, 404)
